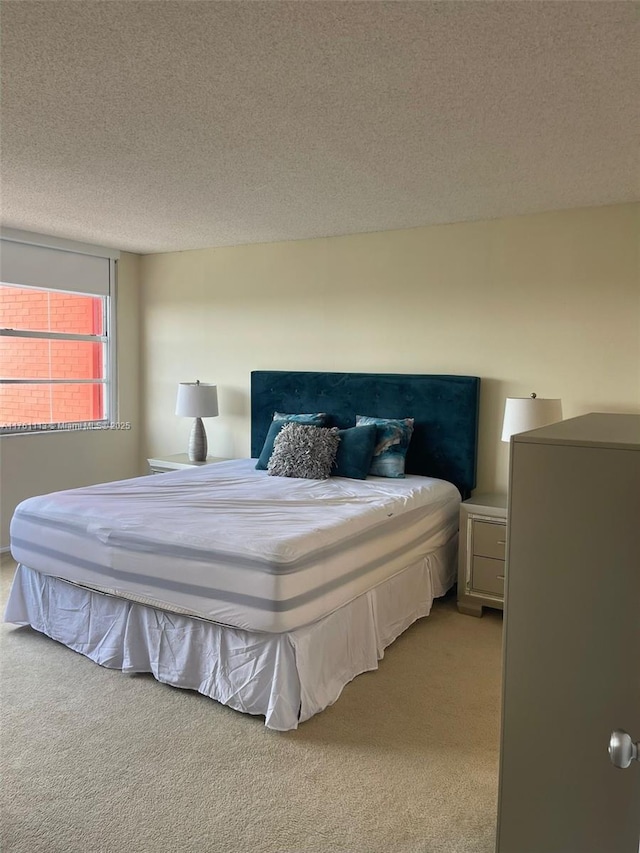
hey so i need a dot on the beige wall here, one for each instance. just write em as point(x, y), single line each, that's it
point(46, 462)
point(547, 303)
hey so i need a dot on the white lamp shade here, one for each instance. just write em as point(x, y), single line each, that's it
point(524, 413)
point(197, 400)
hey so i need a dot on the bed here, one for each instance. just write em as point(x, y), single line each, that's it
point(266, 593)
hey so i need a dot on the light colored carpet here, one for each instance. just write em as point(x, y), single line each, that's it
point(95, 761)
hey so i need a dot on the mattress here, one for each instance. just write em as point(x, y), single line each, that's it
point(230, 544)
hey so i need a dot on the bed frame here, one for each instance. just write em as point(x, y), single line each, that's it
point(445, 411)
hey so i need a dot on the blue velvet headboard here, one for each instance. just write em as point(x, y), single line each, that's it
point(445, 409)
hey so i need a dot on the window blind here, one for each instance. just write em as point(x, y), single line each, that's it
point(54, 267)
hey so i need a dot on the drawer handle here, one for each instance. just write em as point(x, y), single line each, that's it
point(502, 541)
point(500, 577)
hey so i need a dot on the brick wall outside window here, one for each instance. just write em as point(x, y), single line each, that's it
point(30, 358)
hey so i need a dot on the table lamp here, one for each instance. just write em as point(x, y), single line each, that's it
point(524, 413)
point(197, 400)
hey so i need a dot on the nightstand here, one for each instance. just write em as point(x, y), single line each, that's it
point(482, 553)
point(179, 460)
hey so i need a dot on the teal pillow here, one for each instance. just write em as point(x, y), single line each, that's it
point(279, 420)
point(355, 452)
point(392, 442)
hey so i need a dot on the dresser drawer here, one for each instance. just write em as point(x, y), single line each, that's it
point(489, 539)
point(487, 575)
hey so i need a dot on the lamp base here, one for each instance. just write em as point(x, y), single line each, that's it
point(198, 442)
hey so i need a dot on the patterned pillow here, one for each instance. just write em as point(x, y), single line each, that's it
point(279, 420)
point(315, 419)
point(304, 451)
point(392, 442)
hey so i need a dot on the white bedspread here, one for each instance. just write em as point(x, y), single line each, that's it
point(231, 544)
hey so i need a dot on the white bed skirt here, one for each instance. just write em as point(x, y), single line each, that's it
point(286, 677)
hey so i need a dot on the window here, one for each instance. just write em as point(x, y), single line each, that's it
point(57, 366)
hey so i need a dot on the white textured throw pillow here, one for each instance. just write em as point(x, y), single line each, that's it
point(304, 451)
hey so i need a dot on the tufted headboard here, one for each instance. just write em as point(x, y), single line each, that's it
point(445, 410)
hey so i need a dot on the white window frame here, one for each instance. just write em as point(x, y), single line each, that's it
point(108, 338)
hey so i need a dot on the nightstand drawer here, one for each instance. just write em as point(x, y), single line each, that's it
point(487, 575)
point(482, 553)
point(489, 539)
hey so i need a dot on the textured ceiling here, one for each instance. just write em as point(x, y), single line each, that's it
point(159, 126)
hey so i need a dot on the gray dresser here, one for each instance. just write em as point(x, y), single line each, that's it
point(571, 638)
